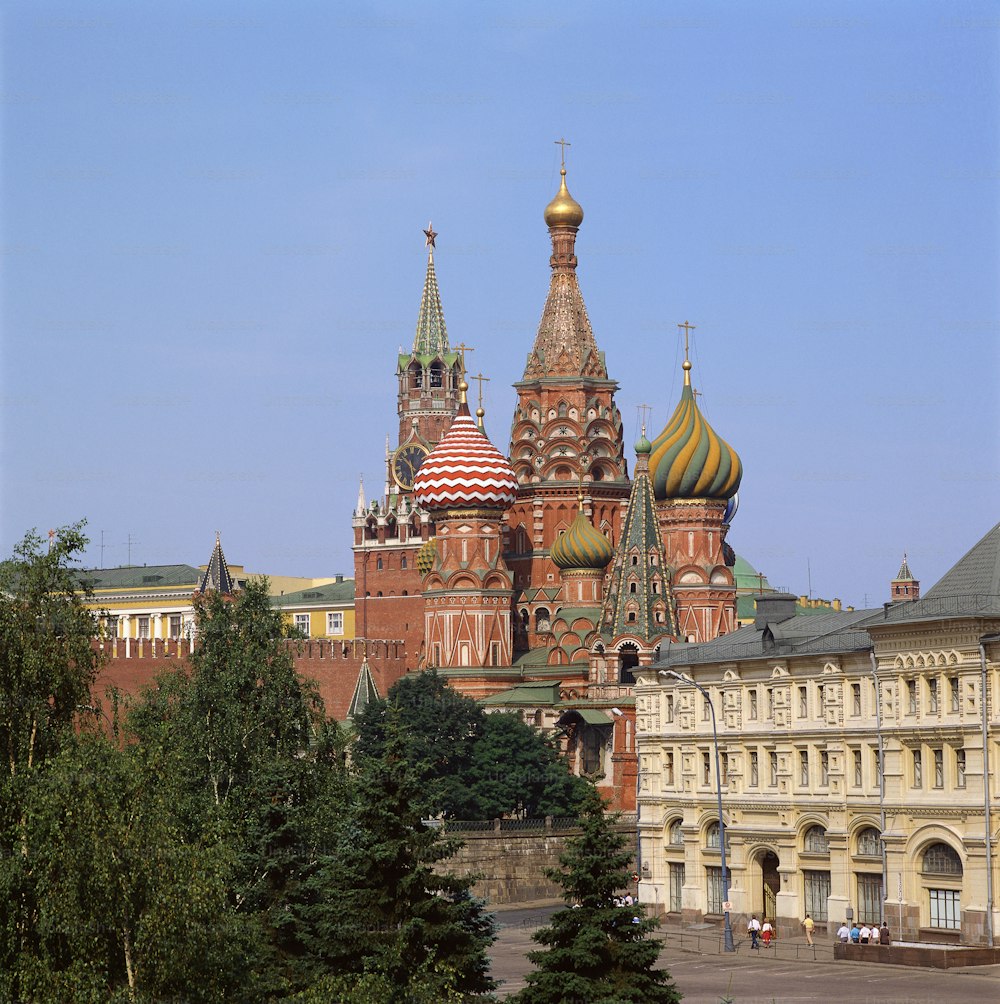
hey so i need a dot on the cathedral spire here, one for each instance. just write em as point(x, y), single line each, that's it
point(217, 575)
point(565, 344)
point(431, 338)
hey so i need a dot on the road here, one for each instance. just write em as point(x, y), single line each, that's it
point(794, 977)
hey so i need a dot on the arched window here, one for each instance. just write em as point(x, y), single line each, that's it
point(378, 565)
point(940, 859)
point(635, 559)
point(542, 620)
point(868, 842)
point(632, 587)
point(675, 834)
point(712, 837)
point(437, 374)
point(815, 841)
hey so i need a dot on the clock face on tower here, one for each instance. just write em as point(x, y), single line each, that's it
point(406, 462)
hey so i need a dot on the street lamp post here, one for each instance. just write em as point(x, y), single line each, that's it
point(727, 929)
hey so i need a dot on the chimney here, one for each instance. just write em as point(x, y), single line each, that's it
point(773, 608)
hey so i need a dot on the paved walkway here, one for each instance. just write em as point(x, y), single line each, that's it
point(789, 972)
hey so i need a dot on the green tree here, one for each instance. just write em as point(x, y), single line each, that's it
point(597, 952)
point(439, 727)
point(471, 765)
point(516, 770)
point(48, 663)
point(127, 908)
point(397, 915)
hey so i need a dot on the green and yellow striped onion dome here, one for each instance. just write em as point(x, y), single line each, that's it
point(690, 460)
point(426, 555)
point(581, 546)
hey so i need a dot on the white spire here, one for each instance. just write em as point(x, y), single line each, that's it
point(361, 496)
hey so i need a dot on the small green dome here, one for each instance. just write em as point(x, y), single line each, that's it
point(643, 445)
point(581, 546)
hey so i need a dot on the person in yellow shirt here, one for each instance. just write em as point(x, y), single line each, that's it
point(808, 925)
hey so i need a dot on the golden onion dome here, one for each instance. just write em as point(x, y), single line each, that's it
point(563, 210)
point(581, 546)
point(689, 459)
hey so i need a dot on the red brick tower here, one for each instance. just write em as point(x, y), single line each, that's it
point(466, 484)
point(388, 532)
point(905, 587)
point(566, 432)
point(695, 473)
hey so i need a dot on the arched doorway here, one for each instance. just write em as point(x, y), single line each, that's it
point(628, 659)
point(770, 883)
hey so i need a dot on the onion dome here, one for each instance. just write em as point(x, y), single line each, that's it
point(426, 555)
point(465, 470)
point(731, 507)
point(563, 210)
point(643, 445)
point(689, 459)
point(581, 546)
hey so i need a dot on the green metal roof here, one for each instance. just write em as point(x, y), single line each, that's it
point(141, 577)
point(536, 692)
point(332, 592)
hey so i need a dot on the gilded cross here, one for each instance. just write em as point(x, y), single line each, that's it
point(562, 155)
point(463, 348)
point(482, 379)
point(696, 394)
point(644, 410)
point(430, 235)
point(688, 328)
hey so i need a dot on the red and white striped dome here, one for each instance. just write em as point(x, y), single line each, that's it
point(465, 470)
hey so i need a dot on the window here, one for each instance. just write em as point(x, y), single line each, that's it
point(869, 843)
point(713, 878)
point(774, 769)
point(676, 886)
point(174, 626)
point(670, 708)
point(111, 627)
point(668, 769)
point(706, 769)
point(804, 768)
point(706, 712)
point(142, 627)
point(824, 767)
point(932, 695)
point(945, 909)
point(402, 562)
point(939, 768)
point(803, 702)
point(815, 841)
point(378, 564)
point(712, 837)
point(918, 767)
point(960, 768)
point(335, 622)
point(877, 761)
point(754, 770)
point(953, 692)
point(770, 702)
point(911, 695)
point(858, 780)
point(753, 704)
point(817, 889)
point(724, 764)
point(302, 624)
point(856, 698)
point(869, 899)
point(676, 834)
point(940, 859)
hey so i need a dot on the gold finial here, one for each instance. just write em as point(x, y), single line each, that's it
point(562, 143)
point(579, 496)
point(686, 365)
point(462, 389)
point(431, 237)
point(644, 410)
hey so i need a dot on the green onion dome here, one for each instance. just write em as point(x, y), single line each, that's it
point(689, 459)
point(643, 445)
point(581, 546)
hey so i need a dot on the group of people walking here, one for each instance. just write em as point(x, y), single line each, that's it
point(864, 935)
point(764, 933)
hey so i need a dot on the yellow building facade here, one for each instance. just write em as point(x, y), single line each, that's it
point(817, 819)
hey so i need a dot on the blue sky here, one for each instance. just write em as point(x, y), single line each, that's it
point(212, 220)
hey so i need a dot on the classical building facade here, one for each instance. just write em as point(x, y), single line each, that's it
point(803, 705)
